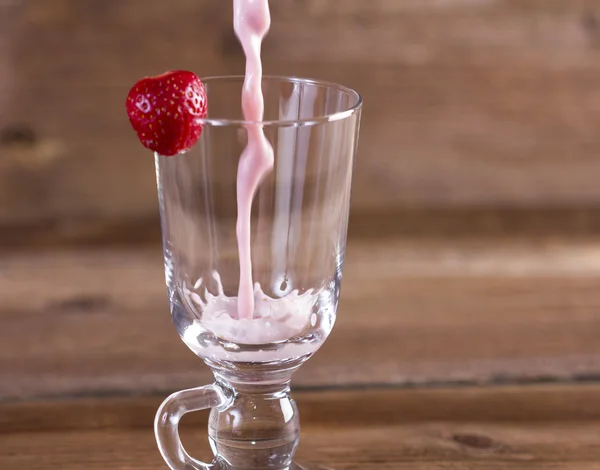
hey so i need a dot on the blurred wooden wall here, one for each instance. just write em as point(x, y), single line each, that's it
point(482, 117)
point(469, 104)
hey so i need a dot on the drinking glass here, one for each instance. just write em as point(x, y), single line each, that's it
point(298, 238)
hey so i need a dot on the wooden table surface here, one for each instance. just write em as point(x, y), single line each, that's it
point(485, 354)
point(468, 334)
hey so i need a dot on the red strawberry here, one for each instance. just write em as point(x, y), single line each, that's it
point(164, 111)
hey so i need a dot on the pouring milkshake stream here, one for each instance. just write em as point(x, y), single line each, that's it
point(252, 20)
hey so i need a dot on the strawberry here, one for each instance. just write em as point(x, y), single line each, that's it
point(164, 111)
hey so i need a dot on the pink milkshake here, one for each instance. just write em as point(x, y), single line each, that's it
point(252, 21)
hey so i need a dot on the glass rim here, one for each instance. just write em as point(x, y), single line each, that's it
point(311, 121)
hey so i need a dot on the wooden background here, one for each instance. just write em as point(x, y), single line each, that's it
point(480, 156)
point(468, 103)
point(475, 210)
point(474, 250)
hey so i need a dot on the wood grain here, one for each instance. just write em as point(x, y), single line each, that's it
point(449, 224)
point(533, 428)
point(468, 103)
point(412, 312)
point(565, 403)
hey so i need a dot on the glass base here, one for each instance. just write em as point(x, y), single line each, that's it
point(253, 424)
point(260, 428)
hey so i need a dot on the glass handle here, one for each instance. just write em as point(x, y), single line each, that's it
point(166, 423)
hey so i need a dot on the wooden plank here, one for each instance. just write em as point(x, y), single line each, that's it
point(566, 403)
point(429, 448)
point(484, 311)
point(524, 428)
point(467, 102)
point(451, 224)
